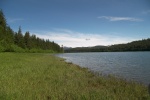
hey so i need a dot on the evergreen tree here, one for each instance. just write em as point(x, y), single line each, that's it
point(27, 40)
point(3, 32)
point(2, 25)
point(16, 41)
point(19, 39)
point(33, 42)
point(10, 35)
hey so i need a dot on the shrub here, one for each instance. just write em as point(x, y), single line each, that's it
point(15, 48)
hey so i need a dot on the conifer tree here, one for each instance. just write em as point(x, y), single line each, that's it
point(2, 25)
point(27, 40)
point(9, 40)
point(19, 39)
point(10, 35)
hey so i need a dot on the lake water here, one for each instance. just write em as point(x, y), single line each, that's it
point(129, 65)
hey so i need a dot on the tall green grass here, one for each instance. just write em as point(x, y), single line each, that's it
point(28, 76)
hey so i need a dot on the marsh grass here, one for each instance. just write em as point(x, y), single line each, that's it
point(28, 76)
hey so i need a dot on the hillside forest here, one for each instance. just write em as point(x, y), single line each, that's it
point(11, 41)
point(140, 45)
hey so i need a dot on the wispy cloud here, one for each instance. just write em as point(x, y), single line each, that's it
point(13, 20)
point(146, 12)
point(76, 39)
point(111, 18)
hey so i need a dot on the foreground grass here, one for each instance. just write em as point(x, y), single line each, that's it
point(45, 77)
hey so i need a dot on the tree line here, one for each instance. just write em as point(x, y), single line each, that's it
point(140, 45)
point(11, 41)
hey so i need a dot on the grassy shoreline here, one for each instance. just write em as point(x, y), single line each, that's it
point(28, 76)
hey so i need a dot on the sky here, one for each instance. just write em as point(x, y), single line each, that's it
point(80, 23)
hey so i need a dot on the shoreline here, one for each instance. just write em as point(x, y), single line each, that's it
point(39, 76)
point(134, 69)
point(107, 75)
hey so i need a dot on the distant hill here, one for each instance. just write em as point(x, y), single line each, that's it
point(66, 48)
point(85, 49)
point(139, 45)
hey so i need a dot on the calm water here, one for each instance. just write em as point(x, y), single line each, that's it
point(129, 65)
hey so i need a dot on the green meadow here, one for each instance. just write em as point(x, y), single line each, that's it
point(39, 76)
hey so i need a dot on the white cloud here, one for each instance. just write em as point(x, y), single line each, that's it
point(77, 39)
point(13, 20)
point(110, 18)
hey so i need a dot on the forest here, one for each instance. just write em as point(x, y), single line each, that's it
point(11, 41)
point(140, 45)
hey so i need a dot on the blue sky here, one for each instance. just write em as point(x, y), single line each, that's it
point(77, 23)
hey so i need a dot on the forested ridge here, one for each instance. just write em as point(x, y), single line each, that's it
point(140, 45)
point(11, 41)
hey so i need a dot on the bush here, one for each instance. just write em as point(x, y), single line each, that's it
point(2, 48)
point(34, 50)
point(15, 48)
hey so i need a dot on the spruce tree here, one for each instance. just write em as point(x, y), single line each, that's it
point(27, 40)
point(10, 35)
point(3, 35)
point(19, 39)
point(2, 25)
